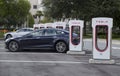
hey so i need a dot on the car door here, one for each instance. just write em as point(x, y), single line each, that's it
point(47, 40)
point(32, 40)
point(20, 32)
point(23, 32)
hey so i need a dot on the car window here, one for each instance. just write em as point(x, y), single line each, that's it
point(29, 30)
point(50, 32)
point(37, 33)
point(60, 32)
point(20, 30)
point(24, 30)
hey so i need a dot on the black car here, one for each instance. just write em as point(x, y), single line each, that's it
point(40, 39)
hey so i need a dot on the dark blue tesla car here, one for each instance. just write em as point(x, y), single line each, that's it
point(40, 39)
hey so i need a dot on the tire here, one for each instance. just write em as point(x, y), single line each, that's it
point(8, 36)
point(61, 47)
point(13, 46)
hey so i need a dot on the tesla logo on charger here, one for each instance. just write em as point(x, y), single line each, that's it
point(101, 21)
point(75, 22)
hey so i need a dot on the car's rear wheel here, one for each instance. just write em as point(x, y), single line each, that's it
point(13, 46)
point(61, 47)
point(8, 36)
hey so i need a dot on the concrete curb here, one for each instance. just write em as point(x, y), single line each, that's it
point(94, 61)
point(76, 52)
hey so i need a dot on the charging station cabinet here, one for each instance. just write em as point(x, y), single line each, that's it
point(102, 31)
point(76, 37)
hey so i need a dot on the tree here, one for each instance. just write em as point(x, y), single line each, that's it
point(14, 12)
point(57, 8)
point(46, 20)
point(39, 14)
point(30, 20)
point(82, 9)
point(106, 8)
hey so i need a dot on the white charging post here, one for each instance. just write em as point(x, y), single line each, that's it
point(41, 26)
point(102, 27)
point(49, 25)
point(60, 25)
point(76, 37)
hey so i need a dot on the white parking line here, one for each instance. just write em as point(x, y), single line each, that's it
point(25, 61)
point(115, 47)
point(29, 53)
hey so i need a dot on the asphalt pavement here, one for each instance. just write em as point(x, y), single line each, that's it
point(50, 63)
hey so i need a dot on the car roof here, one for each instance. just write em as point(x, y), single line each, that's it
point(52, 29)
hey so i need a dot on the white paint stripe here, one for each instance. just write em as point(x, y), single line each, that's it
point(117, 63)
point(28, 53)
point(24, 61)
point(115, 47)
point(22, 53)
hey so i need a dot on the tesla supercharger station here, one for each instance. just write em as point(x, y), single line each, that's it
point(102, 52)
point(76, 37)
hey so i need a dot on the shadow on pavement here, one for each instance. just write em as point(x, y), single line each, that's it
point(36, 51)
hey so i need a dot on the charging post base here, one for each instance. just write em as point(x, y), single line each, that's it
point(97, 61)
point(76, 52)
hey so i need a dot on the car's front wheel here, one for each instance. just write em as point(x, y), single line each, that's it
point(61, 47)
point(13, 46)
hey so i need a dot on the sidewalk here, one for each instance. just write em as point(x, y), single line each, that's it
point(115, 41)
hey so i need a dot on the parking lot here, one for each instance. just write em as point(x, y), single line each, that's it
point(50, 63)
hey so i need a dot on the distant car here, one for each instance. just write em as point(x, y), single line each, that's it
point(48, 38)
point(17, 33)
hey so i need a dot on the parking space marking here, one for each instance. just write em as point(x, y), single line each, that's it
point(25, 61)
point(115, 48)
point(28, 53)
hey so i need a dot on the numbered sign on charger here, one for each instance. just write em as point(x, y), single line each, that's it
point(76, 35)
point(102, 28)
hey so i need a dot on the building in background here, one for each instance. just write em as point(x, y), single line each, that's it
point(35, 6)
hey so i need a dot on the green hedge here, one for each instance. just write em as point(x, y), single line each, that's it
point(1, 34)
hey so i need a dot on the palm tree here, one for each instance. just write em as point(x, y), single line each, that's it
point(39, 14)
